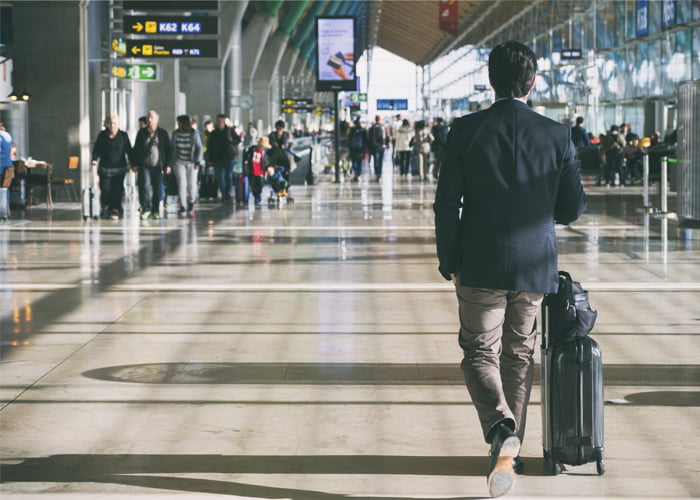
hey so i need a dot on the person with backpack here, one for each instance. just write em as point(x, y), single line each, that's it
point(613, 145)
point(378, 140)
point(439, 131)
point(357, 144)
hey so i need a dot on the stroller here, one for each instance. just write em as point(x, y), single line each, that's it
point(277, 177)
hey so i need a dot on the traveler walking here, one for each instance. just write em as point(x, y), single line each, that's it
point(223, 149)
point(251, 136)
point(357, 144)
point(403, 147)
point(613, 145)
point(255, 164)
point(152, 158)
point(378, 140)
point(579, 135)
point(439, 131)
point(111, 152)
point(187, 157)
point(511, 173)
point(422, 139)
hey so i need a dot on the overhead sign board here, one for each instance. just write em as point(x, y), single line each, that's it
point(481, 87)
point(642, 17)
point(297, 105)
point(172, 48)
point(392, 104)
point(171, 25)
point(171, 5)
point(571, 54)
point(335, 53)
point(137, 72)
point(668, 13)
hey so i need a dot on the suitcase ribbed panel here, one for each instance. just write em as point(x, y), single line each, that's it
point(688, 151)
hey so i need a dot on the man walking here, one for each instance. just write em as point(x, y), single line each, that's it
point(222, 148)
point(579, 135)
point(152, 155)
point(512, 172)
point(378, 140)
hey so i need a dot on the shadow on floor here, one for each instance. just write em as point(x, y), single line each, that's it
point(143, 470)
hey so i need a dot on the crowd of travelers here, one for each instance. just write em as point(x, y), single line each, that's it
point(188, 163)
point(413, 146)
point(616, 156)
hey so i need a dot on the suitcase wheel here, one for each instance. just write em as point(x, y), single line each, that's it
point(551, 467)
point(600, 467)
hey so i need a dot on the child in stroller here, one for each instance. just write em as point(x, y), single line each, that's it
point(277, 178)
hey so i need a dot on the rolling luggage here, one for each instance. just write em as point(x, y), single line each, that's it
point(4, 203)
point(90, 203)
point(572, 392)
point(242, 190)
point(18, 193)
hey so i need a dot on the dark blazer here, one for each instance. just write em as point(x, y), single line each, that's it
point(513, 174)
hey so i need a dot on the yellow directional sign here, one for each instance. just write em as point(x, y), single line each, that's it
point(119, 45)
point(119, 71)
point(172, 48)
point(171, 25)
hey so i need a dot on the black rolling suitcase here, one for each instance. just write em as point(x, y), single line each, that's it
point(572, 381)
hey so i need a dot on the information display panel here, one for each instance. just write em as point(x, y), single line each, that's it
point(335, 46)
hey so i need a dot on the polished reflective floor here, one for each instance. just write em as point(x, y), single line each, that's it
point(309, 351)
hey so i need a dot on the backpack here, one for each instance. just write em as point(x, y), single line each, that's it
point(570, 314)
point(355, 141)
point(378, 137)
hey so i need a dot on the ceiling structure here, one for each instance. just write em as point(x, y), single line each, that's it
point(411, 28)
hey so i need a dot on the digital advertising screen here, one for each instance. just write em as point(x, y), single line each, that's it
point(335, 51)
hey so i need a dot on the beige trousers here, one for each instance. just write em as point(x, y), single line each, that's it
point(497, 334)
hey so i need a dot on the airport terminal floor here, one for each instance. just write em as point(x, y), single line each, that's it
point(309, 352)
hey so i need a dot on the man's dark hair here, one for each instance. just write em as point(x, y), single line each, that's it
point(579, 120)
point(279, 124)
point(512, 67)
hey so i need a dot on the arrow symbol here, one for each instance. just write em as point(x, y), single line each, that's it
point(148, 71)
point(138, 27)
point(135, 50)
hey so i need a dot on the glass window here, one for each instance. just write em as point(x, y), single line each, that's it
point(630, 20)
point(654, 17)
point(654, 68)
point(695, 53)
point(605, 26)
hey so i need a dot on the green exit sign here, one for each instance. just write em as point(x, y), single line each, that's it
point(137, 72)
point(358, 97)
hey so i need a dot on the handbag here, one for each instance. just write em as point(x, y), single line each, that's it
point(570, 313)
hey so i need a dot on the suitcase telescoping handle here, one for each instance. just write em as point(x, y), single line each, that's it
point(545, 323)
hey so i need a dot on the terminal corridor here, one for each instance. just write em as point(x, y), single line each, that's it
point(309, 352)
